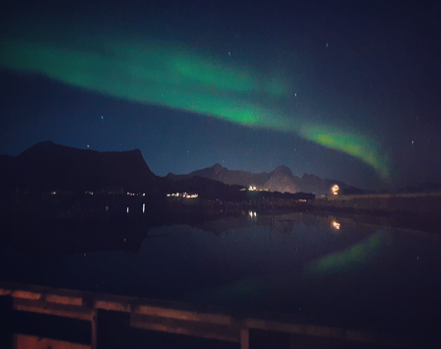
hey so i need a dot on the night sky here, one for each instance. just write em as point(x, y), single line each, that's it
point(346, 90)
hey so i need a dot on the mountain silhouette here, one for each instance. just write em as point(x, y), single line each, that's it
point(47, 166)
point(280, 180)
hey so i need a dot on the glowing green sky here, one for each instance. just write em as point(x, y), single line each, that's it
point(179, 77)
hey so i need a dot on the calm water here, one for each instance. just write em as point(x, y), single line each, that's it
point(299, 264)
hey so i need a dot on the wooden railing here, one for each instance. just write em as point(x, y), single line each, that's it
point(179, 318)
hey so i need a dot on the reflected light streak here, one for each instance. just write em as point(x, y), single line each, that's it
point(336, 225)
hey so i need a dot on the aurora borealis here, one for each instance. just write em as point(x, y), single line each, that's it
point(305, 93)
point(256, 84)
point(161, 74)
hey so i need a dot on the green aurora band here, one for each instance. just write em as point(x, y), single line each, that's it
point(352, 258)
point(171, 75)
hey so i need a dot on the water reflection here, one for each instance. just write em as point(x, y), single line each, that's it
point(353, 257)
point(275, 263)
point(336, 225)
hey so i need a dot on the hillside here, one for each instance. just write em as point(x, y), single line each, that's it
point(47, 166)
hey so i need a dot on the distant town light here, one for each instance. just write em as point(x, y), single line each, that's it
point(89, 192)
point(254, 188)
point(336, 225)
point(184, 195)
point(53, 193)
point(252, 214)
point(335, 189)
point(143, 208)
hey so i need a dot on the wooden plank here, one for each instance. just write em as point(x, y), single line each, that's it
point(5, 291)
point(330, 333)
point(25, 294)
point(116, 303)
point(112, 305)
point(255, 323)
point(55, 298)
point(10, 288)
point(211, 318)
point(192, 328)
point(23, 341)
point(322, 331)
point(42, 307)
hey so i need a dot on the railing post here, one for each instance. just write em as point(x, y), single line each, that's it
point(7, 323)
point(244, 338)
point(94, 325)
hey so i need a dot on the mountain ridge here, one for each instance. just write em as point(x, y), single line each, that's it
point(47, 166)
point(281, 180)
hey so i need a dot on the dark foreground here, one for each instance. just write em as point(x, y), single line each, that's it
point(39, 316)
point(358, 271)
